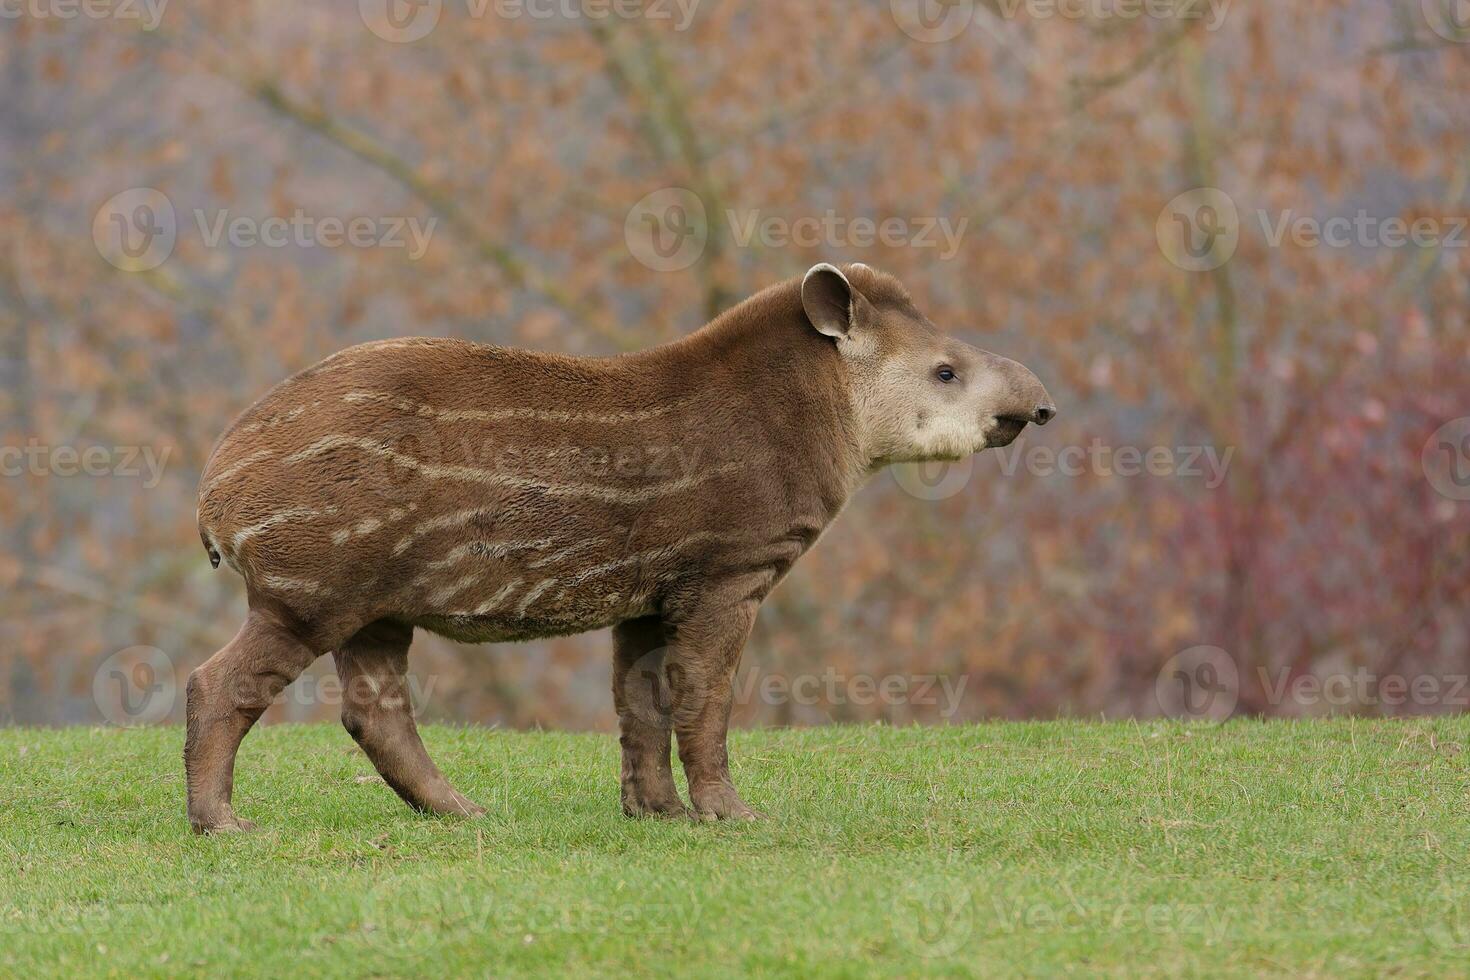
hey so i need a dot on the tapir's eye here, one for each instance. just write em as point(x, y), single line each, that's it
point(945, 373)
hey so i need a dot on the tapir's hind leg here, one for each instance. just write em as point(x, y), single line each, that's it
point(225, 697)
point(378, 712)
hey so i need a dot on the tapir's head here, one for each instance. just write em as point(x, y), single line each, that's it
point(918, 395)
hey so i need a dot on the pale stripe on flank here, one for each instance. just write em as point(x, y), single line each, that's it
point(481, 549)
point(491, 603)
point(662, 551)
point(503, 414)
point(473, 474)
point(534, 594)
point(276, 420)
point(258, 456)
point(438, 524)
point(567, 552)
point(292, 514)
point(448, 592)
point(292, 585)
point(371, 524)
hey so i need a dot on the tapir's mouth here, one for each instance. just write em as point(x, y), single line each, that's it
point(1004, 431)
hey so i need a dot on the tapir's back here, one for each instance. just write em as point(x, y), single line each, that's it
point(481, 491)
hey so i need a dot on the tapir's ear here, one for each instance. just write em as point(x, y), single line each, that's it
point(829, 300)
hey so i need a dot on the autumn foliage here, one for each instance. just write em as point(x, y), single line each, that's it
point(1052, 146)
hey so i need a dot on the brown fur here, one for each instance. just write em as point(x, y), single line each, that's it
point(490, 494)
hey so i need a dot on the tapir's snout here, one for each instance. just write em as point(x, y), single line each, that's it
point(1025, 400)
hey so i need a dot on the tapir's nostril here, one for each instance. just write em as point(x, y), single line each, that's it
point(1045, 413)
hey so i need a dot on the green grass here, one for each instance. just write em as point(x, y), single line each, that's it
point(1328, 848)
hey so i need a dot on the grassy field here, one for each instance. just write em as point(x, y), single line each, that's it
point(1323, 848)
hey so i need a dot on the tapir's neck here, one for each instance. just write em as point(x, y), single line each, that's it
point(764, 360)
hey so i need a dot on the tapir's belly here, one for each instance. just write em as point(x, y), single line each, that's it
point(524, 608)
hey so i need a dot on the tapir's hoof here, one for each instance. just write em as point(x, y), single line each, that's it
point(228, 824)
point(655, 809)
point(456, 805)
point(722, 803)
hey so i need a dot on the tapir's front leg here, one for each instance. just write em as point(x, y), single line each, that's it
point(641, 696)
point(701, 671)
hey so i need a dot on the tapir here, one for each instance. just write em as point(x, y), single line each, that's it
point(490, 494)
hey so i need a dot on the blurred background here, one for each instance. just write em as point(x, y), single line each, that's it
point(1230, 237)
